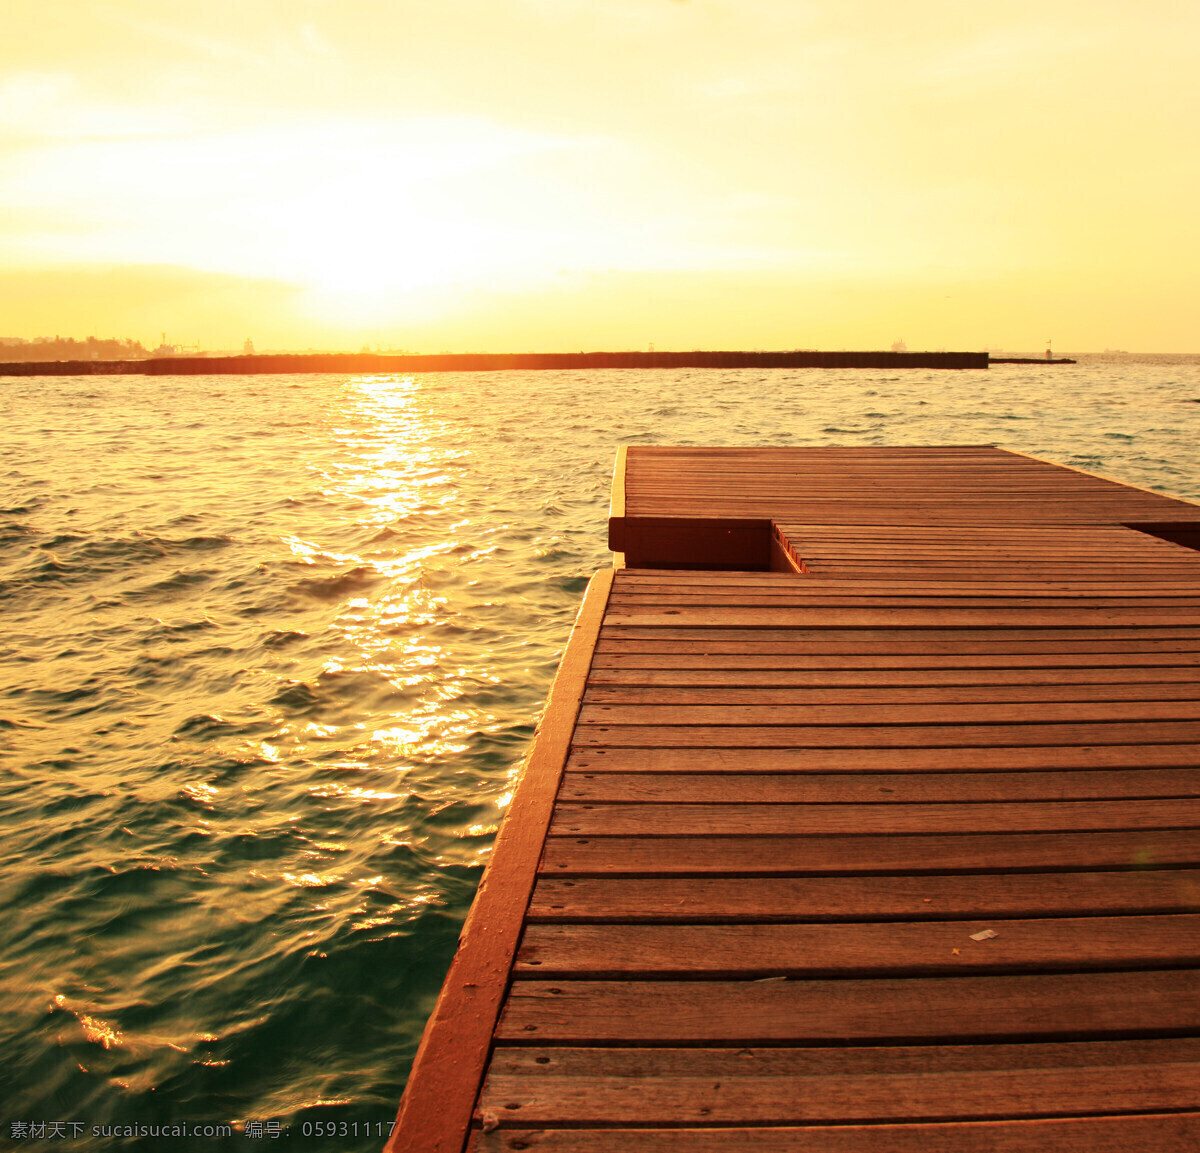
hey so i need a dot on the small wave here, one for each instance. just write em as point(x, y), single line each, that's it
point(53, 571)
point(345, 584)
point(13, 532)
point(573, 584)
point(281, 638)
point(18, 723)
point(148, 547)
point(177, 582)
point(297, 697)
point(209, 726)
point(65, 696)
point(203, 543)
point(122, 550)
point(385, 534)
point(347, 691)
point(196, 626)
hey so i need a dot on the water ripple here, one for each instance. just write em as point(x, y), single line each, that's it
point(275, 647)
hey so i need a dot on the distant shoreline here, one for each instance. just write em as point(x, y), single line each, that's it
point(362, 362)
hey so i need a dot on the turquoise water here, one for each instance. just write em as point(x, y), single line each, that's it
point(273, 648)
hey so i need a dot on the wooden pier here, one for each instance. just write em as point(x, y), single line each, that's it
point(864, 817)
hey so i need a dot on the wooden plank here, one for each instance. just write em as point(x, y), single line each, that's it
point(1083, 568)
point(842, 480)
point(916, 618)
point(884, 736)
point(1041, 573)
point(1081, 549)
point(913, 510)
point(683, 1100)
point(666, 900)
point(546, 1064)
point(728, 695)
point(1105, 543)
point(1032, 537)
point(822, 596)
point(949, 587)
point(1106, 546)
point(747, 856)
point(1047, 712)
point(866, 646)
point(1083, 576)
point(1059, 1006)
point(894, 948)
point(874, 761)
point(787, 659)
point(851, 639)
point(915, 500)
point(1000, 561)
point(920, 502)
point(1160, 1133)
point(853, 570)
point(876, 788)
point(892, 819)
point(602, 679)
point(436, 1108)
point(673, 1087)
point(919, 505)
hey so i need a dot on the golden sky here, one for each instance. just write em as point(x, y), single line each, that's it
point(506, 175)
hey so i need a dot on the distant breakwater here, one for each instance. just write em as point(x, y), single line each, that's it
point(363, 362)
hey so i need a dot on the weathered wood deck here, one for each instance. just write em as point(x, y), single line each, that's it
point(736, 900)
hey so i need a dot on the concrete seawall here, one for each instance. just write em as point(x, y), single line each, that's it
point(493, 362)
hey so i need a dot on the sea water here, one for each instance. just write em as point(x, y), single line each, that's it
point(272, 650)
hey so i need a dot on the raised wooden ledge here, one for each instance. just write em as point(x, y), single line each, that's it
point(435, 1111)
point(616, 506)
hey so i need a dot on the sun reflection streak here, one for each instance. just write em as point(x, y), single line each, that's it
point(310, 880)
point(333, 790)
point(95, 1030)
point(398, 718)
